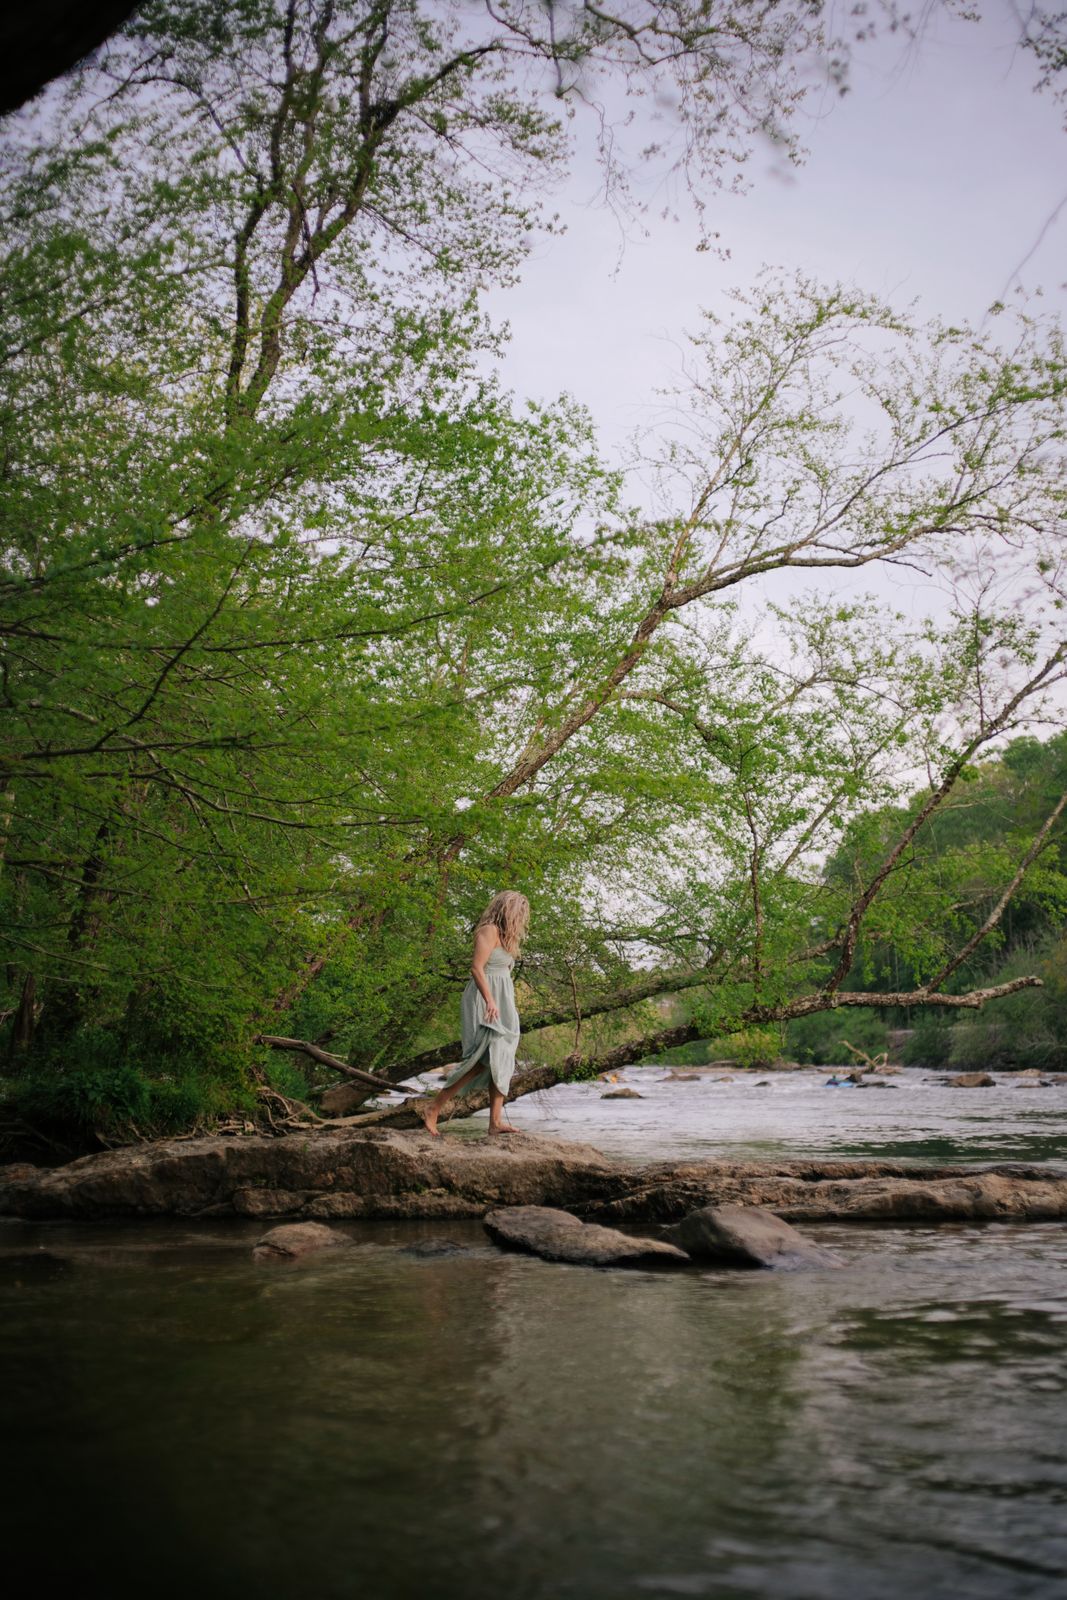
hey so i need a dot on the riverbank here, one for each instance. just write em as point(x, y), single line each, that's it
point(391, 1173)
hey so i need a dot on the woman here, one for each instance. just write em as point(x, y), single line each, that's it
point(490, 1022)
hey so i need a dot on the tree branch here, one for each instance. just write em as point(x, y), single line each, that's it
point(327, 1060)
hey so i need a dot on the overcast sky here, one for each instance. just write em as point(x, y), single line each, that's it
point(934, 177)
point(938, 177)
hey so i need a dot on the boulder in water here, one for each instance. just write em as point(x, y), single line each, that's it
point(622, 1094)
point(747, 1236)
point(295, 1239)
point(557, 1236)
point(971, 1080)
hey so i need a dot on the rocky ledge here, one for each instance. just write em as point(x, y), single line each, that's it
point(384, 1172)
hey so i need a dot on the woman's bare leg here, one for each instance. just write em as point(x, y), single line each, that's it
point(442, 1097)
point(496, 1111)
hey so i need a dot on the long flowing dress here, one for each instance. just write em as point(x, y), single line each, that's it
point(495, 1041)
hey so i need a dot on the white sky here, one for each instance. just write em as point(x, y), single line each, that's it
point(933, 178)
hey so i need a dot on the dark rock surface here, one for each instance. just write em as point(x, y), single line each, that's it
point(559, 1236)
point(747, 1236)
point(622, 1094)
point(387, 1172)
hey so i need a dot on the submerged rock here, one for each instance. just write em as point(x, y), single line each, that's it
point(747, 1236)
point(297, 1239)
point(622, 1094)
point(435, 1247)
point(559, 1236)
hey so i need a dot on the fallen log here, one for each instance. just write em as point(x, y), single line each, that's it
point(367, 1079)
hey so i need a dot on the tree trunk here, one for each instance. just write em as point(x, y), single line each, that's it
point(25, 1018)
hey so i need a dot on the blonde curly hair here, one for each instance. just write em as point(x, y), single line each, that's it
point(509, 913)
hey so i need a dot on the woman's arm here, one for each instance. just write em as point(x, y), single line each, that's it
point(485, 940)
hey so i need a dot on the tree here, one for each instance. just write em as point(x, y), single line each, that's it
point(775, 758)
point(312, 636)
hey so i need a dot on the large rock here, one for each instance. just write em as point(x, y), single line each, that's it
point(343, 1099)
point(747, 1236)
point(388, 1172)
point(295, 1239)
point(971, 1080)
point(558, 1236)
point(369, 1172)
point(622, 1094)
point(843, 1191)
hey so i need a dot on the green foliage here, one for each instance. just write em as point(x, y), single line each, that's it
point(315, 637)
point(104, 1094)
point(1026, 1029)
point(929, 1044)
point(820, 1038)
point(285, 1075)
point(751, 1047)
point(952, 876)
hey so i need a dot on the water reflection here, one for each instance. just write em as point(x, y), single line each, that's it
point(380, 1423)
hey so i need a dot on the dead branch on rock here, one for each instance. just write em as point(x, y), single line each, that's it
point(380, 1085)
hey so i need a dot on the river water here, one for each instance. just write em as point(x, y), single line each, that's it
point(421, 1415)
point(913, 1114)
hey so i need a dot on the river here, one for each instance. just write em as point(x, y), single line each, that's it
point(424, 1416)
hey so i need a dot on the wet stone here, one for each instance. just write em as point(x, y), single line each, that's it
point(557, 1236)
point(294, 1239)
point(748, 1236)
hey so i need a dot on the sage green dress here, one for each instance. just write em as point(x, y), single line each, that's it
point(493, 1043)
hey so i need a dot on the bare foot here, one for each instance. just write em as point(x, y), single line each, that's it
point(428, 1116)
point(504, 1128)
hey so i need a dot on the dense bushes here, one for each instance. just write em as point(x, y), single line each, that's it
point(820, 1039)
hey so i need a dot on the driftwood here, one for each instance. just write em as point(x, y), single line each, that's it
point(873, 1063)
point(379, 1085)
point(404, 1116)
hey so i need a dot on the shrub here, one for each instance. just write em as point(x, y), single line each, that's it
point(820, 1039)
point(752, 1047)
point(930, 1043)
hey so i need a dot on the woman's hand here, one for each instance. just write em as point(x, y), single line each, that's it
point(492, 1013)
